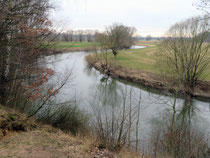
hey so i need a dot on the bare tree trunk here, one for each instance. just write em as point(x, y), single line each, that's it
point(5, 71)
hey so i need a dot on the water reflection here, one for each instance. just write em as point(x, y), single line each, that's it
point(178, 133)
point(159, 118)
point(116, 112)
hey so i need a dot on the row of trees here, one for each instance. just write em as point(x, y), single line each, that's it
point(78, 36)
point(90, 36)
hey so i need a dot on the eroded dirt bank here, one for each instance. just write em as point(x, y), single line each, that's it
point(146, 78)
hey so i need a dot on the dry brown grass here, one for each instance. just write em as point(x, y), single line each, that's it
point(48, 142)
point(44, 141)
point(41, 143)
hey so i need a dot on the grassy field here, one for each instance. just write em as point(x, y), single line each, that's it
point(139, 59)
point(64, 45)
point(145, 59)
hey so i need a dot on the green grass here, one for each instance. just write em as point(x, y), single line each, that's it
point(63, 45)
point(139, 59)
point(145, 59)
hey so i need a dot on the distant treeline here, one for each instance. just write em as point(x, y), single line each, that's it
point(90, 36)
point(149, 37)
point(76, 36)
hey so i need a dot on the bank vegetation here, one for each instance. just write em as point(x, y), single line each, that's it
point(180, 62)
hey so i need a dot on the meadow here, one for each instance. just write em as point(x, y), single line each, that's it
point(74, 44)
point(140, 59)
point(146, 59)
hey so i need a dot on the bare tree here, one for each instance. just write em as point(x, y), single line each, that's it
point(89, 35)
point(148, 38)
point(204, 5)
point(118, 37)
point(68, 36)
point(80, 34)
point(117, 116)
point(103, 48)
point(185, 52)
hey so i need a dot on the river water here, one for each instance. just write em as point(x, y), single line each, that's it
point(91, 87)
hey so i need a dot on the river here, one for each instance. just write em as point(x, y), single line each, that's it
point(91, 87)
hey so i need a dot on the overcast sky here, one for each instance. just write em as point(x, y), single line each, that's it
point(152, 17)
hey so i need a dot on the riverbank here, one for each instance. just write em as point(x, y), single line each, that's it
point(137, 67)
point(21, 137)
